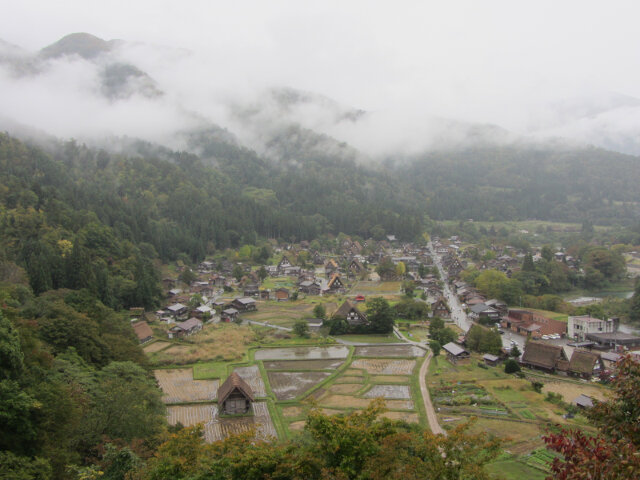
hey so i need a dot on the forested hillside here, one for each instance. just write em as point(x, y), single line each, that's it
point(527, 181)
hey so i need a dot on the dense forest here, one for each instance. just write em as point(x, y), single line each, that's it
point(527, 181)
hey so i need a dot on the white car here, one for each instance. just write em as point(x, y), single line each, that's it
point(545, 337)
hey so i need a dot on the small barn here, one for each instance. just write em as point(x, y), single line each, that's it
point(234, 396)
point(282, 294)
point(455, 353)
point(491, 360)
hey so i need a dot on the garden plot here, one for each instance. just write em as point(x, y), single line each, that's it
point(343, 388)
point(179, 386)
point(389, 391)
point(155, 347)
point(389, 351)
point(252, 376)
point(216, 428)
point(409, 417)
point(380, 366)
point(303, 364)
point(289, 385)
point(302, 353)
point(347, 401)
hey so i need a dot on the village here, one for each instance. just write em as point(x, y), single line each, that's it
point(250, 347)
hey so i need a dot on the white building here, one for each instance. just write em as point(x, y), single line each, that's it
point(578, 327)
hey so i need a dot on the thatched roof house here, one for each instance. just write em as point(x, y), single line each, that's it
point(234, 396)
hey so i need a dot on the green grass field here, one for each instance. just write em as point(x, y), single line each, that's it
point(369, 338)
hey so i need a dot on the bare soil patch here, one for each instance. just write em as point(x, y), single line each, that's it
point(297, 426)
point(303, 364)
point(179, 386)
point(252, 376)
point(289, 385)
point(354, 372)
point(348, 379)
point(302, 353)
point(389, 391)
point(292, 411)
point(570, 391)
point(381, 366)
point(155, 347)
point(389, 351)
point(345, 388)
point(409, 417)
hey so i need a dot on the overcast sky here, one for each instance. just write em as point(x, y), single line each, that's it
point(487, 61)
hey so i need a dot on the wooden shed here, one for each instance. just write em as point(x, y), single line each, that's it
point(234, 396)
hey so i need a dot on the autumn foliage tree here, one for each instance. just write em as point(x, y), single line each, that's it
point(361, 445)
point(614, 453)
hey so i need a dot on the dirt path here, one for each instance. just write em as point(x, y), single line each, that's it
point(428, 406)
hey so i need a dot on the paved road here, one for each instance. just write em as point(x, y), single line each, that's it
point(458, 315)
point(432, 418)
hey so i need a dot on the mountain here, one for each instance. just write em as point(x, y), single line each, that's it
point(608, 120)
point(84, 45)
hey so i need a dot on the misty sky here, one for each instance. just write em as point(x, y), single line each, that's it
point(487, 61)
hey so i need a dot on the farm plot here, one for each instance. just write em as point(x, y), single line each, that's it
point(409, 417)
point(389, 391)
point(343, 388)
point(347, 401)
point(302, 353)
point(221, 428)
point(155, 347)
point(389, 351)
point(289, 385)
point(217, 428)
point(252, 376)
point(291, 365)
point(179, 386)
point(189, 415)
point(380, 366)
point(570, 390)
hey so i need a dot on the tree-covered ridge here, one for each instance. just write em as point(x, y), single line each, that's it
point(522, 182)
point(72, 384)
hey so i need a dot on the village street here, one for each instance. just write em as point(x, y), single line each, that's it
point(458, 314)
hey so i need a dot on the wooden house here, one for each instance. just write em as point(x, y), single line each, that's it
point(585, 364)
point(491, 360)
point(245, 304)
point(265, 294)
point(186, 328)
point(229, 315)
point(351, 314)
point(251, 290)
point(440, 308)
point(283, 265)
point(356, 268)
point(331, 267)
point(455, 353)
point(282, 294)
point(335, 285)
point(177, 310)
point(310, 287)
point(234, 396)
point(544, 356)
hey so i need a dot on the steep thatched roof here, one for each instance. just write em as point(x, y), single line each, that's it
point(542, 355)
point(583, 362)
point(346, 308)
point(232, 383)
